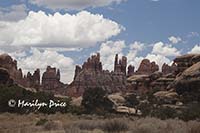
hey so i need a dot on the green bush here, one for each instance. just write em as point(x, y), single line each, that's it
point(95, 101)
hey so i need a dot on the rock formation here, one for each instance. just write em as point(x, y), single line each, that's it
point(31, 81)
point(120, 65)
point(166, 69)
point(91, 75)
point(11, 66)
point(131, 70)
point(189, 80)
point(147, 67)
point(185, 61)
point(51, 79)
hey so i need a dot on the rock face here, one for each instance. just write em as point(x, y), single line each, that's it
point(189, 80)
point(11, 66)
point(166, 69)
point(31, 81)
point(120, 65)
point(185, 61)
point(131, 70)
point(51, 79)
point(91, 75)
point(5, 77)
point(147, 67)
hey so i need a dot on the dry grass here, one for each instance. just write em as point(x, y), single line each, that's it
point(67, 123)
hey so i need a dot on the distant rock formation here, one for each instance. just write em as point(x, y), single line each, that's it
point(131, 70)
point(120, 65)
point(31, 81)
point(147, 67)
point(51, 79)
point(91, 75)
point(166, 69)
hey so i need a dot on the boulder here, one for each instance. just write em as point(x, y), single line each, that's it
point(189, 80)
point(185, 61)
point(117, 99)
point(127, 110)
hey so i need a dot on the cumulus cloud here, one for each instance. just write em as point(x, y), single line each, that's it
point(41, 59)
point(165, 49)
point(108, 50)
point(61, 31)
point(13, 13)
point(73, 4)
point(134, 48)
point(195, 49)
point(174, 39)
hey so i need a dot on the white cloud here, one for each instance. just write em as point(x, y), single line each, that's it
point(174, 39)
point(61, 31)
point(195, 50)
point(73, 4)
point(41, 60)
point(133, 51)
point(165, 49)
point(108, 50)
point(13, 13)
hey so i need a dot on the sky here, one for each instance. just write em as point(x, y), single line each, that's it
point(64, 33)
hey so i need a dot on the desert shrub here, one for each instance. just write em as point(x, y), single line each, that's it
point(77, 110)
point(41, 122)
point(95, 101)
point(192, 112)
point(164, 113)
point(88, 125)
point(132, 100)
point(194, 127)
point(53, 125)
point(115, 126)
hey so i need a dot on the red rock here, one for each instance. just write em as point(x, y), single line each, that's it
point(51, 80)
point(185, 61)
point(147, 67)
point(120, 66)
point(131, 70)
point(11, 66)
point(91, 76)
point(166, 69)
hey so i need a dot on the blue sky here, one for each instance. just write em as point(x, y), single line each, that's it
point(157, 30)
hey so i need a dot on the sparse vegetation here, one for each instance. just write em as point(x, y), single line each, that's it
point(41, 122)
point(66, 123)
